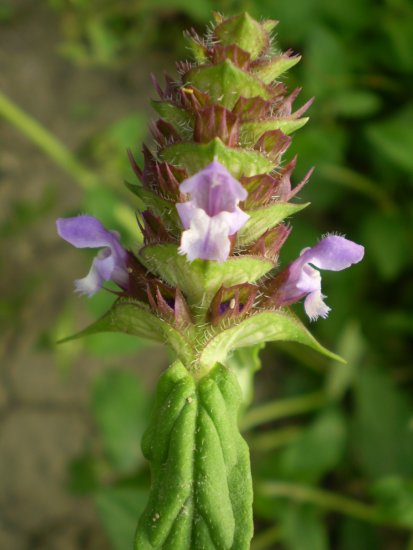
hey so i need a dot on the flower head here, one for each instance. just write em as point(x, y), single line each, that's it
point(110, 262)
point(300, 279)
point(212, 214)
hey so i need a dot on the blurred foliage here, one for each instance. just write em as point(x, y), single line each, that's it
point(334, 466)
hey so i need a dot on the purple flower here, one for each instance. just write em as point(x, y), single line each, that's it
point(212, 214)
point(110, 262)
point(333, 253)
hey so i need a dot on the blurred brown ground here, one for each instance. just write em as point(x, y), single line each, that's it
point(44, 421)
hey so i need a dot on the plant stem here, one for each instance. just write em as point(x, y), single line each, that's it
point(359, 182)
point(273, 439)
point(280, 409)
point(327, 500)
point(266, 539)
point(47, 142)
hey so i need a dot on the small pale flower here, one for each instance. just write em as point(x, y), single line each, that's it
point(332, 253)
point(110, 262)
point(212, 214)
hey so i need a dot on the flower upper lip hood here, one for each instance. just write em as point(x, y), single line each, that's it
point(212, 214)
point(333, 253)
point(111, 261)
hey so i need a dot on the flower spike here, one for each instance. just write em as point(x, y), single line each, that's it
point(214, 187)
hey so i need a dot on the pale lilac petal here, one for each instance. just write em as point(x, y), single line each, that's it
point(315, 307)
point(214, 189)
point(207, 238)
point(211, 214)
point(309, 279)
point(109, 264)
point(88, 232)
point(334, 253)
point(237, 219)
point(186, 211)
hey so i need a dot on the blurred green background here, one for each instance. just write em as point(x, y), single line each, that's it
point(332, 445)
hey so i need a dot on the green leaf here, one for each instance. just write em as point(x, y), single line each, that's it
point(225, 83)
point(245, 362)
point(258, 328)
point(201, 494)
point(351, 346)
point(119, 405)
point(252, 131)
point(275, 67)
point(128, 317)
point(388, 241)
point(357, 535)
point(382, 437)
point(118, 509)
point(134, 318)
point(200, 280)
point(266, 218)
point(303, 528)
point(394, 139)
point(195, 156)
point(354, 103)
point(317, 451)
point(395, 499)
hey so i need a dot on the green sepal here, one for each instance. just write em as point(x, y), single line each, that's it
point(198, 51)
point(180, 118)
point(245, 362)
point(161, 207)
point(252, 131)
point(266, 218)
point(225, 83)
point(245, 32)
point(134, 318)
point(262, 327)
point(201, 279)
point(201, 493)
point(272, 69)
point(195, 156)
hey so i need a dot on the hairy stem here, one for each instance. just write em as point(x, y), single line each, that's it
point(47, 142)
point(280, 409)
point(266, 539)
point(327, 500)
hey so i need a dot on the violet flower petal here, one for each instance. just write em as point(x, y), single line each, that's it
point(110, 262)
point(333, 253)
point(212, 213)
point(207, 238)
point(214, 189)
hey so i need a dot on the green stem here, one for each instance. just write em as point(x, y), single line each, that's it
point(266, 539)
point(326, 500)
point(47, 142)
point(362, 184)
point(280, 409)
point(274, 439)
